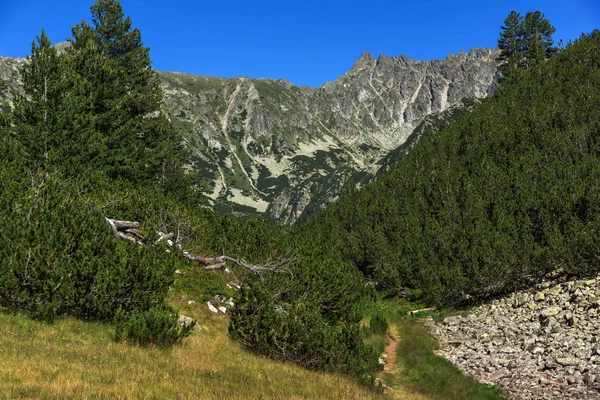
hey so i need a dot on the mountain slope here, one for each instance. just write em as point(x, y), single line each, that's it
point(280, 148)
point(498, 199)
point(271, 147)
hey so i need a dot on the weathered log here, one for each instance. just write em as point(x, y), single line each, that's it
point(421, 310)
point(163, 236)
point(113, 227)
point(203, 260)
point(123, 230)
point(127, 237)
point(215, 267)
point(124, 225)
point(136, 232)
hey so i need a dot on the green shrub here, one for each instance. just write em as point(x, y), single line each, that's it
point(156, 326)
point(298, 332)
point(378, 324)
point(62, 258)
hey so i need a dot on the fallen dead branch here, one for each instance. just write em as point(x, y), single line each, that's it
point(126, 230)
point(421, 310)
point(129, 231)
point(272, 264)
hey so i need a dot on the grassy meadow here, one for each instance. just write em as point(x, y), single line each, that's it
point(73, 359)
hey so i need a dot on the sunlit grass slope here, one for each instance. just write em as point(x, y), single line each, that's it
point(75, 359)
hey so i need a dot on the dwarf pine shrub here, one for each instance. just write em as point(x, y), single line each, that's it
point(156, 326)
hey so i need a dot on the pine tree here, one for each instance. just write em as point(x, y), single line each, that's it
point(525, 42)
point(537, 38)
point(141, 145)
point(511, 41)
point(33, 110)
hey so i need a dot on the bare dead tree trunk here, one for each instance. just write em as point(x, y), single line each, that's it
point(126, 230)
point(129, 231)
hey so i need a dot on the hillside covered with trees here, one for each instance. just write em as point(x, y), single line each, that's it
point(498, 199)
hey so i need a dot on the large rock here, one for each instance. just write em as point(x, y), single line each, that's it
point(550, 311)
point(186, 321)
point(212, 308)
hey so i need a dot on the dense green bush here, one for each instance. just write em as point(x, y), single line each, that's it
point(299, 333)
point(62, 259)
point(307, 315)
point(156, 326)
point(378, 323)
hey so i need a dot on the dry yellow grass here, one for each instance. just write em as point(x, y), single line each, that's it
point(75, 359)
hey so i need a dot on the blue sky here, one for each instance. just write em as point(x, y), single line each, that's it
point(307, 42)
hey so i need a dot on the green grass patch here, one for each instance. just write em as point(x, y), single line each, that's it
point(379, 341)
point(431, 375)
point(395, 309)
point(194, 283)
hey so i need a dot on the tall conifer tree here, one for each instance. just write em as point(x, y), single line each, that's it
point(525, 41)
point(511, 41)
point(34, 115)
point(537, 38)
point(142, 145)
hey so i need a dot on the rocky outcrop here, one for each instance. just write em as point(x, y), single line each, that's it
point(538, 344)
point(271, 147)
point(10, 80)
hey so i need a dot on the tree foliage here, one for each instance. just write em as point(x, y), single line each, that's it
point(34, 109)
point(97, 107)
point(525, 41)
point(87, 124)
point(510, 42)
point(62, 260)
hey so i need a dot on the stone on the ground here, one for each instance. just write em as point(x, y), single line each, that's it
point(184, 320)
point(542, 343)
point(212, 308)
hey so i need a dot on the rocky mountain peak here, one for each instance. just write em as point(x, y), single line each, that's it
point(366, 57)
point(364, 61)
point(62, 47)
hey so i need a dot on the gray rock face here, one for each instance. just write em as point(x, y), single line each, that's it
point(287, 150)
point(537, 344)
point(271, 147)
point(10, 80)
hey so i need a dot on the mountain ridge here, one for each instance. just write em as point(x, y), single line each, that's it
point(272, 147)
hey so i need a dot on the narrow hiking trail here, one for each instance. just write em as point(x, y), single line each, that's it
point(390, 350)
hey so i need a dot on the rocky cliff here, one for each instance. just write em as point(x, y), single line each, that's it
point(271, 147)
point(9, 80)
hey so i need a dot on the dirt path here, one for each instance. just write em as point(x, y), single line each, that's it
point(390, 350)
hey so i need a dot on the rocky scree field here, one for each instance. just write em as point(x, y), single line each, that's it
point(540, 343)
